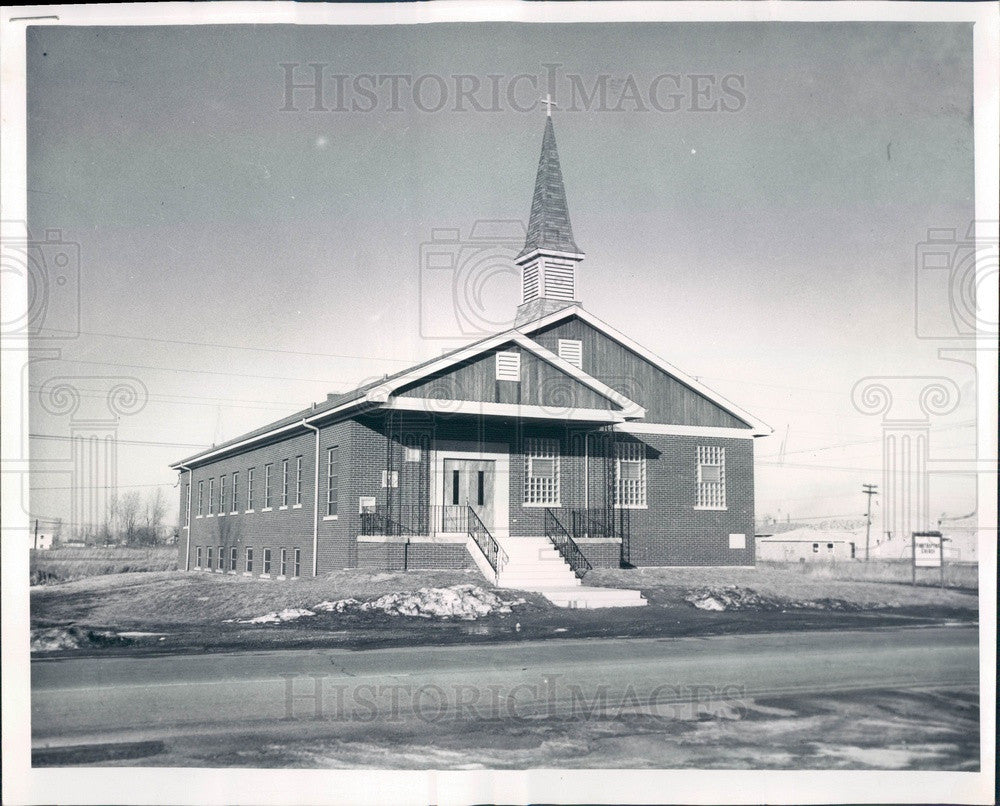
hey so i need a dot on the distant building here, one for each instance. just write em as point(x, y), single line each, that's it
point(42, 541)
point(809, 545)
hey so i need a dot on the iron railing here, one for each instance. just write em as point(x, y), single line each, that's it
point(566, 546)
point(417, 519)
point(495, 556)
point(599, 522)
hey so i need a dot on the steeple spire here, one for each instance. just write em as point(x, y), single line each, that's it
point(549, 257)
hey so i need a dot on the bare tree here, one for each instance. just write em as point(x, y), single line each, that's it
point(129, 513)
point(153, 514)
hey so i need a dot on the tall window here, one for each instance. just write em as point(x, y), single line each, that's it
point(232, 559)
point(222, 558)
point(541, 472)
point(267, 486)
point(283, 562)
point(284, 482)
point(222, 495)
point(187, 505)
point(210, 558)
point(296, 563)
point(630, 475)
point(197, 557)
point(267, 561)
point(332, 455)
point(201, 498)
point(711, 477)
point(236, 493)
point(249, 563)
point(211, 496)
point(250, 489)
point(298, 481)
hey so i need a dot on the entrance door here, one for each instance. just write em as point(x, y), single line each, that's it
point(469, 482)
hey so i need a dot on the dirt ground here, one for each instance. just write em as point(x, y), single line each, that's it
point(179, 612)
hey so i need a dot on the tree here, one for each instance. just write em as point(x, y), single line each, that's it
point(129, 513)
point(153, 514)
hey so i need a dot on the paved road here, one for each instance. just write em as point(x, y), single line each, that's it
point(80, 700)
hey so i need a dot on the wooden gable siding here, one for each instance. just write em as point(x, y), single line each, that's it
point(541, 384)
point(665, 398)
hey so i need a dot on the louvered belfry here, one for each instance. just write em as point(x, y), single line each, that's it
point(549, 257)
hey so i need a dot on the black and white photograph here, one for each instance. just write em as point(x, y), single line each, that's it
point(506, 402)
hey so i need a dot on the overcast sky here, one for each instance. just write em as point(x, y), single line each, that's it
point(767, 248)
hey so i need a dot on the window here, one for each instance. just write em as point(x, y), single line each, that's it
point(187, 505)
point(232, 559)
point(210, 558)
point(197, 557)
point(571, 351)
point(508, 366)
point(711, 477)
point(296, 562)
point(236, 494)
point(411, 455)
point(222, 495)
point(815, 548)
point(332, 455)
point(250, 490)
point(267, 486)
point(298, 481)
point(480, 488)
point(390, 478)
point(283, 562)
point(284, 482)
point(249, 563)
point(222, 558)
point(201, 498)
point(267, 561)
point(630, 475)
point(541, 472)
point(211, 497)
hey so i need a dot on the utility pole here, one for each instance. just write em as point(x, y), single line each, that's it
point(36, 533)
point(869, 490)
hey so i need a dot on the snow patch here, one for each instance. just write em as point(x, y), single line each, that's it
point(467, 602)
point(276, 616)
point(733, 597)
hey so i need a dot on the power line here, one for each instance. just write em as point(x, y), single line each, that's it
point(99, 487)
point(150, 443)
point(226, 346)
point(191, 371)
point(188, 400)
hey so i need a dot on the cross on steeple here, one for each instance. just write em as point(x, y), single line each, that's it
point(549, 103)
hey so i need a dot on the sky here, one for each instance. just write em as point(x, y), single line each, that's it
point(751, 198)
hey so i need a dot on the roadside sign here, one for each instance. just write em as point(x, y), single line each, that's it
point(927, 551)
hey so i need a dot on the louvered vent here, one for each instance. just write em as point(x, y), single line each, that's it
point(530, 286)
point(571, 350)
point(559, 281)
point(508, 366)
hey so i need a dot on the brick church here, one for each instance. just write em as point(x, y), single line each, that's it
point(561, 438)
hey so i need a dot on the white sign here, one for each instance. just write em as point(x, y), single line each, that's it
point(927, 553)
point(366, 503)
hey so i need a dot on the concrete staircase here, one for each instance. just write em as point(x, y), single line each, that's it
point(535, 565)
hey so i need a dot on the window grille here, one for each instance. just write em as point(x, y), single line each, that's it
point(711, 477)
point(541, 472)
point(571, 351)
point(630, 475)
point(508, 366)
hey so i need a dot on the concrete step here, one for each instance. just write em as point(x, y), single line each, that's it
point(538, 582)
point(585, 598)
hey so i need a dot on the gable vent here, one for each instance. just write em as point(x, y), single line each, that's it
point(571, 350)
point(530, 289)
point(508, 366)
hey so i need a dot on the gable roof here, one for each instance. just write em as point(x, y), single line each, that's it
point(376, 393)
point(759, 427)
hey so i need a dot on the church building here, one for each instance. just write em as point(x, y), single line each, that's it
point(534, 454)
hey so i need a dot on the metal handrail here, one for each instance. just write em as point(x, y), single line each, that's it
point(495, 556)
point(566, 545)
